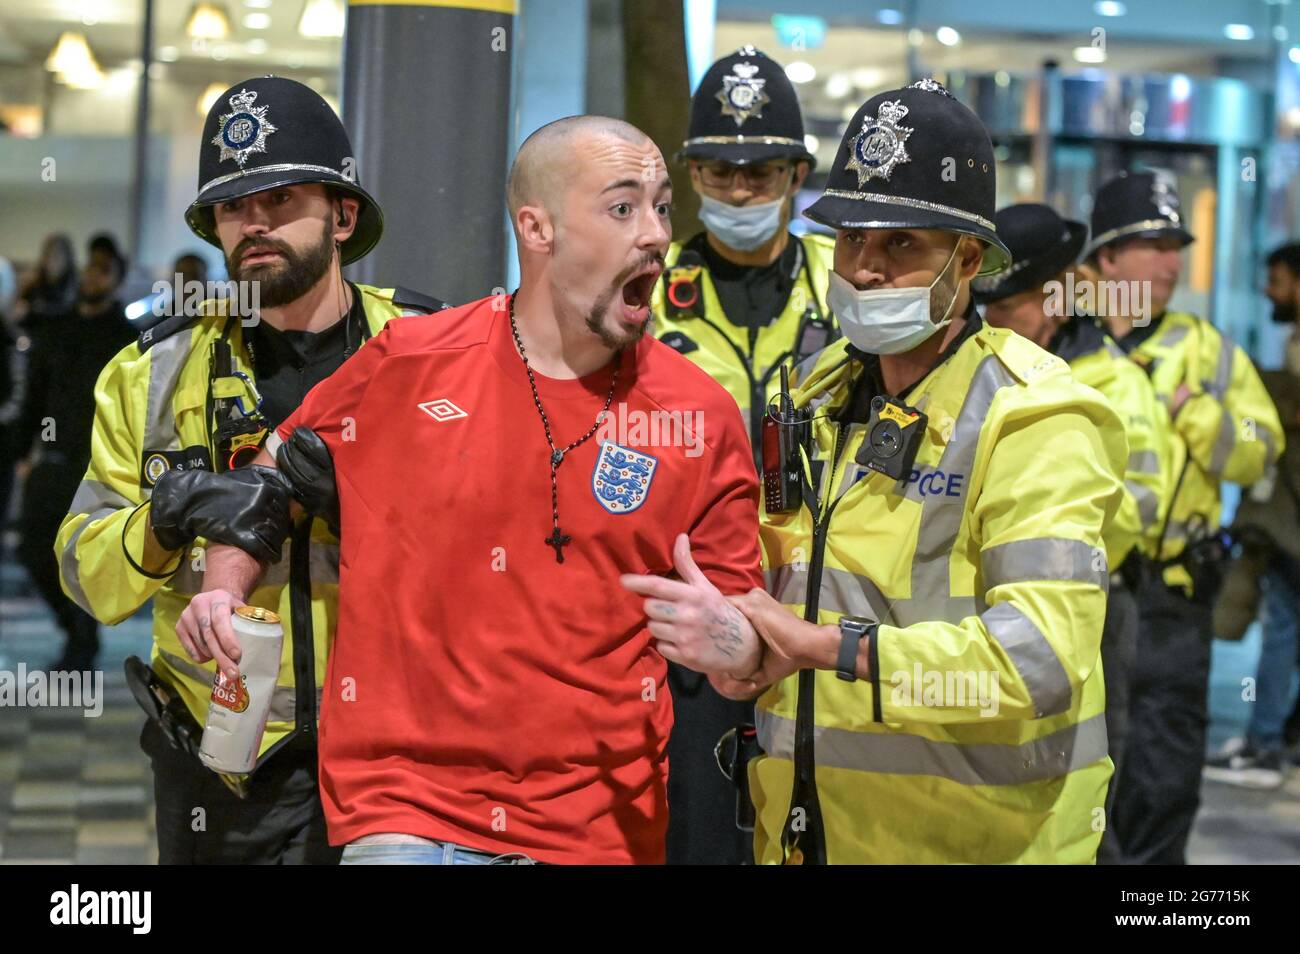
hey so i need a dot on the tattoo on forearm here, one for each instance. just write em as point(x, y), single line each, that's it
point(724, 631)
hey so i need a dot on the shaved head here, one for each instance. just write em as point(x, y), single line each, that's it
point(546, 163)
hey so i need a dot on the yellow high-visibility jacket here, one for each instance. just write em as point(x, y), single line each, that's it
point(1097, 361)
point(980, 736)
point(1227, 430)
point(745, 360)
point(151, 413)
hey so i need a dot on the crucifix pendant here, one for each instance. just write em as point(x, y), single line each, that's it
point(559, 541)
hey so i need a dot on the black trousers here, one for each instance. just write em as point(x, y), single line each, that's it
point(1159, 787)
point(46, 497)
point(701, 802)
point(200, 821)
point(1119, 640)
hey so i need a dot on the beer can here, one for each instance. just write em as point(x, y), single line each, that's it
point(238, 709)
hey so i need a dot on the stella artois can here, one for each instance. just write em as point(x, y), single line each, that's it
point(238, 711)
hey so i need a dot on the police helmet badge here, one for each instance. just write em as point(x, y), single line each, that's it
point(742, 95)
point(875, 150)
point(1164, 198)
point(242, 131)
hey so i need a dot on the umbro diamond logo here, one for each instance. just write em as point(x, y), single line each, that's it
point(442, 410)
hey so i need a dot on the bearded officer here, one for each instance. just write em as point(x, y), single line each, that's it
point(197, 394)
point(1033, 299)
point(1225, 429)
point(741, 299)
point(932, 690)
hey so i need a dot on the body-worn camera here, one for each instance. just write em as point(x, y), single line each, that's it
point(894, 434)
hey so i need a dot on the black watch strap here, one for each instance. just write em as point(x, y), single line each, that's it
point(852, 629)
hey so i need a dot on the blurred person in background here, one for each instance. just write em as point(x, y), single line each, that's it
point(12, 374)
point(1267, 571)
point(1225, 428)
point(68, 351)
point(51, 287)
point(1029, 299)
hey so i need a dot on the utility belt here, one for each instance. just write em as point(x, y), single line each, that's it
point(164, 707)
point(1205, 558)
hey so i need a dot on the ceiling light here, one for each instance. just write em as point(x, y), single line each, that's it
point(1239, 31)
point(209, 97)
point(1109, 8)
point(947, 36)
point(801, 72)
point(322, 18)
point(69, 53)
point(257, 21)
point(208, 21)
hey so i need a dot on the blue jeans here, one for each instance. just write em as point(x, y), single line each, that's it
point(438, 853)
point(1279, 622)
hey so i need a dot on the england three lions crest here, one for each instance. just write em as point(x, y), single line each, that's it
point(621, 480)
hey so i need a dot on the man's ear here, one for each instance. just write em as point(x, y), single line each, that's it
point(535, 229)
point(801, 170)
point(971, 255)
point(345, 218)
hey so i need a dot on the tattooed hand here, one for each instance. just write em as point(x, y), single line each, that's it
point(692, 622)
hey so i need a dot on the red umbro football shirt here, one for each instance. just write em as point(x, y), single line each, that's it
point(478, 691)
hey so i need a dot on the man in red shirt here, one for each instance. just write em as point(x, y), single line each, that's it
point(500, 466)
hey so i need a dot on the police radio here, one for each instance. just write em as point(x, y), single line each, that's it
point(783, 435)
point(894, 433)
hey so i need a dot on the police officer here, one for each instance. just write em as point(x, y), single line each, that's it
point(937, 576)
point(1225, 428)
point(196, 395)
point(742, 299)
point(745, 296)
point(1034, 299)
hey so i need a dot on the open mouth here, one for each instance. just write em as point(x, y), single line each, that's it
point(638, 289)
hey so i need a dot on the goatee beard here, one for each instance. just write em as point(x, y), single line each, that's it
point(282, 284)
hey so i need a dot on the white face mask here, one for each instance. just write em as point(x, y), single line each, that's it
point(742, 227)
point(886, 320)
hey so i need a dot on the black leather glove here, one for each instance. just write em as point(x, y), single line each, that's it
point(246, 508)
point(307, 467)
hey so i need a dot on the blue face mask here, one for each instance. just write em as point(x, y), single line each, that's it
point(742, 227)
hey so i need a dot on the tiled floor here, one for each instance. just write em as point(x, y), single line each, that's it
point(77, 789)
point(72, 788)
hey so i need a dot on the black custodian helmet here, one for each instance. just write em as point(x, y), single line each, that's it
point(1136, 205)
point(271, 131)
point(915, 158)
point(745, 110)
point(1042, 243)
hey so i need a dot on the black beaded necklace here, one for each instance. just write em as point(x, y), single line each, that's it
point(556, 539)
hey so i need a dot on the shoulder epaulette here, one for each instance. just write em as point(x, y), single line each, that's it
point(165, 329)
point(417, 302)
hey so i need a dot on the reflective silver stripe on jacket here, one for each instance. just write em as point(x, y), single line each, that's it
point(1148, 503)
point(1033, 657)
point(166, 361)
point(941, 515)
point(895, 753)
point(1044, 559)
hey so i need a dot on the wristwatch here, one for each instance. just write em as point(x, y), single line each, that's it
point(852, 630)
